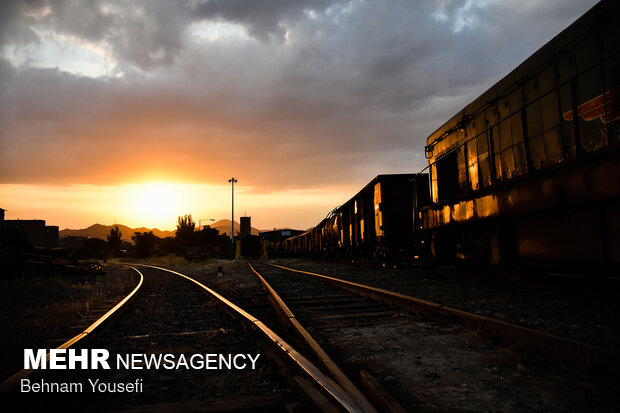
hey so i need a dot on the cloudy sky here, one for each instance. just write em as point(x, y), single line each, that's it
point(139, 111)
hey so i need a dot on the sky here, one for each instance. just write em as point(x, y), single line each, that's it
point(136, 112)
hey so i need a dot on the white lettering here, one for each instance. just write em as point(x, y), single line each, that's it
point(235, 361)
point(99, 356)
point(135, 359)
point(83, 358)
point(199, 365)
point(223, 360)
point(124, 362)
point(35, 362)
point(56, 357)
point(210, 360)
point(253, 360)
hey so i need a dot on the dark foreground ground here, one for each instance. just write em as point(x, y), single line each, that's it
point(426, 365)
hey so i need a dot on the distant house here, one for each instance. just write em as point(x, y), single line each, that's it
point(31, 231)
point(279, 234)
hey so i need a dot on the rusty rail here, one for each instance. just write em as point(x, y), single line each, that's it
point(22, 374)
point(335, 395)
point(588, 360)
point(307, 341)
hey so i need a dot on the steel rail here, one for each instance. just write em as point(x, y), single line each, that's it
point(585, 358)
point(290, 321)
point(22, 374)
point(336, 394)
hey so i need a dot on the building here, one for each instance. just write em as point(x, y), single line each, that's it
point(33, 232)
point(279, 234)
point(246, 227)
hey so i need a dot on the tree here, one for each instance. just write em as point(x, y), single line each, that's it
point(216, 244)
point(185, 230)
point(145, 242)
point(114, 238)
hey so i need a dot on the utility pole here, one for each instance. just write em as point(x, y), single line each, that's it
point(232, 223)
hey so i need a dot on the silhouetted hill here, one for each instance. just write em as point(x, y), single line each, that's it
point(102, 231)
point(224, 227)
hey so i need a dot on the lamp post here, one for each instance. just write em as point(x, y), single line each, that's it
point(232, 230)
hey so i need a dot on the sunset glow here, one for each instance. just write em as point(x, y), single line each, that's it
point(156, 202)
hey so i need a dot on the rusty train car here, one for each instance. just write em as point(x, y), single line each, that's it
point(528, 174)
point(377, 223)
point(525, 176)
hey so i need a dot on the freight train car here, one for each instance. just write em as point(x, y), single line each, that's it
point(528, 175)
point(377, 223)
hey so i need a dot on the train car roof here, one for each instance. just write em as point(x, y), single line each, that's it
point(547, 52)
point(378, 178)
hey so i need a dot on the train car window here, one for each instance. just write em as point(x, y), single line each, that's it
point(591, 106)
point(504, 164)
point(537, 152)
point(472, 163)
point(378, 212)
point(550, 111)
point(503, 108)
point(535, 134)
point(481, 124)
point(484, 160)
point(567, 126)
point(350, 234)
point(498, 165)
point(520, 159)
point(566, 67)
point(362, 229)
point(434, 192)
point(516, 128)
point(341, 229)
point(611, 82)
point(515, 100)
point(510, 158)
point(504, 138)
point(531, 90)
point(470, 130)
point(551, 122)
point(492, 116)
point(508, 164)
point(447, 177)
point(534, 120)
point(553, 148)
point(461, 160)
point(546, 79)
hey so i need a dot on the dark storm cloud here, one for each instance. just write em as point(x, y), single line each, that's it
point(354, 87)
point(264, 19)
point(14, 23)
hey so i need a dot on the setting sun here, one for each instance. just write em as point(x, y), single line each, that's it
point(156, 201)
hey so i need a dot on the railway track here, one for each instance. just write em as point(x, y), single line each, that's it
point(328, 311)
point(171, 316)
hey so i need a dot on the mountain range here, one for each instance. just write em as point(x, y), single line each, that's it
point(102, 231)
